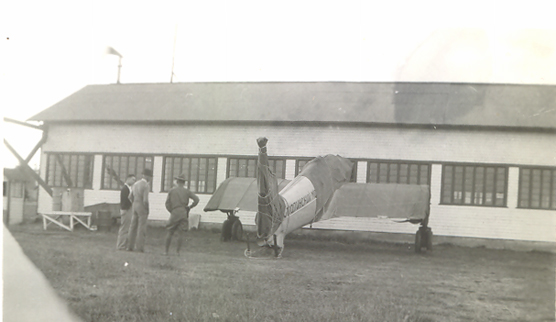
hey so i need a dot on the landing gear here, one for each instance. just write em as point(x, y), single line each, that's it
point(266, 250)
point(237, 230)
point(423, 239)
point(232, 229)
point(277, 249)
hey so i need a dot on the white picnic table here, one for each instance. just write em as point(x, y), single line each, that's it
point(75, 218)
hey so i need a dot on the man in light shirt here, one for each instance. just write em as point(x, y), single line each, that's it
point(140, 199)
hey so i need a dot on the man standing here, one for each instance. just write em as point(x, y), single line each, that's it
point(125, 213)
point(177, 203)
point(140, 199)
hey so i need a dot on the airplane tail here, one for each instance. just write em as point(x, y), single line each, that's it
point(270, 204)
point(327, 174)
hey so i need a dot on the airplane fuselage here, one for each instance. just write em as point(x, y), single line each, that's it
point(300, 198)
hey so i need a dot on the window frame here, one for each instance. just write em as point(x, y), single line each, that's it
point(551, 188)
point(298, 161)
point(88, 164)
point(409, 163)
point(485, 184)
point(255, 158)
point(163, 181)
point(123, 178)
point(17, 189)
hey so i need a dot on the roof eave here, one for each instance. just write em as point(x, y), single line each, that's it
point(429, 126)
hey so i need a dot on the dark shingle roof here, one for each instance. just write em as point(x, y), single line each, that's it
point(498, 105)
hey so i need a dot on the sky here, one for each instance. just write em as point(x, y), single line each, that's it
point(51, 49)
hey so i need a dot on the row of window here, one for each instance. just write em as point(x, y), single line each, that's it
point(476, 185)
point(199, 172)
point(247, 167)
point(69, 170)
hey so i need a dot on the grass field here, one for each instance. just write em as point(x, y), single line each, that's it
point(316, 280)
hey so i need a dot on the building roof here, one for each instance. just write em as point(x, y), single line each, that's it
point(17, 174)
point(441, 104)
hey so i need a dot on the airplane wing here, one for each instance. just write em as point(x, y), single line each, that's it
point(237, 192)
point(396, 201)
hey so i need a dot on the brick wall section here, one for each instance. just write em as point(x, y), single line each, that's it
point(435, 146)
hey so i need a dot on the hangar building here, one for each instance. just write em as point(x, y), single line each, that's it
point(488, 151)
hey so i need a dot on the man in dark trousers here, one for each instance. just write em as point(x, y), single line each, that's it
point(177, 203)
point(140, 204)
point(125, 213)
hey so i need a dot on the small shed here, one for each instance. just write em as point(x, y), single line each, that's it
point(19, 196)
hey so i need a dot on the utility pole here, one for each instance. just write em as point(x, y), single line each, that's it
point(174, 53)
point(119, 68)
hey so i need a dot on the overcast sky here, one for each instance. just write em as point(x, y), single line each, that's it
point(51, 49)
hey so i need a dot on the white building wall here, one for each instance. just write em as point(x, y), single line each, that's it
point(44, 201)
point(221, 170)
point(97, 175)
point(361, 172)
point(290, 170)
point(435, 146)
point(15, 204)
point(513, 184)
point(490, 222)
point(16, 211)
point(351, 142)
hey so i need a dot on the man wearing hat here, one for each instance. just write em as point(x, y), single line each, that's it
point(177, 203)
point(140, 204)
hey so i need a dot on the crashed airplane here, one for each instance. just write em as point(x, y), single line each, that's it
point(321, 191)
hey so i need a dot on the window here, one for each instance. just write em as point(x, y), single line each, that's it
point(69, 170)
point(537, 188)
point(118, 167)
point(199, 172)
point(242, 167)
point(300, 163)
point(475, 185)
point(247, 167)
point(16, 189)
point(398, 172)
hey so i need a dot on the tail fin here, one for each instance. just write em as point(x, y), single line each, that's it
point(270, 204)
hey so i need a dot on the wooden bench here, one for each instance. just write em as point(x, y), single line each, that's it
point(56, 217)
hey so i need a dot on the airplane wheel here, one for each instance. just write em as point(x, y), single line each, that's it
point(247, 253)
point(418, 241)
point(429, 239)
point(226, 231)
point(237, 230)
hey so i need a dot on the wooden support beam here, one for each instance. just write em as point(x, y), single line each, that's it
point(114, 175)
point(37, 127)
point(65, 173)
point(27, 168)
point(36, 148)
